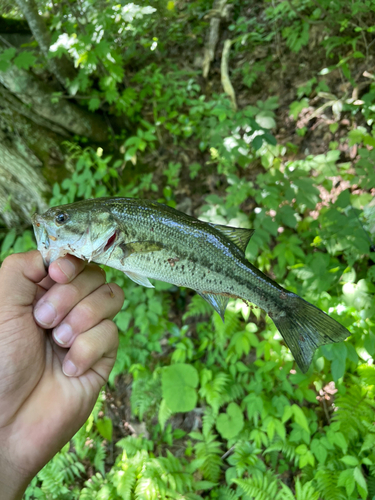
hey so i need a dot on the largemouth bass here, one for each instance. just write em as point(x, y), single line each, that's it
point(145, 239)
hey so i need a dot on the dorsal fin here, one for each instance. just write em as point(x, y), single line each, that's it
point(237, 235)
point(218, 302)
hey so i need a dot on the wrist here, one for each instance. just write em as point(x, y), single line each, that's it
point(11, 490)
point(12, 485)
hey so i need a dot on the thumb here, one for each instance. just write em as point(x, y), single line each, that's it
point(19, 275)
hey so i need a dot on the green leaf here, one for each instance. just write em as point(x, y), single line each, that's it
point(360, 480)
point(300, 418)
point(5, 57)
point(94, 104)
point(178, 387)
point(105, 428)
point(229, 424)
point(25, 60)
point(350, 460)
point(203, 485)
point(8, 241)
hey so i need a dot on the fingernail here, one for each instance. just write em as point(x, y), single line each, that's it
point(45, 314)
point(63, 333)
point(69, 368)
point(67, 267)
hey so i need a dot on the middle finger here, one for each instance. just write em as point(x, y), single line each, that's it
point(61, 298)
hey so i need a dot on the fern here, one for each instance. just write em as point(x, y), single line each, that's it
point(354, 407)
point(226, 330)
point(173, 474)
point(326, 480)
point(60, 473)
point(164, 413)
point(197, 307)
point(209, 420)
point(306, 492)
point(214, 390)
point(371, 487)
point(98, 488)
point(226, 493)
point(146, 394)
point(125, 480)
point(263, 487)
point(99, 458)
point(209, 450)
point(287, 449)
point(131, 445)
point(245, 459)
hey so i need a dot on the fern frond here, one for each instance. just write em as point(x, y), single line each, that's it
point(131, 445)
point(124, 480)
point(353, 409)
point(306, 492)
point(245, 457)
point(209, 450)
point(227, 493)
point(173, 474)
point(165, 413)
point(208, 419)
point(98, 488)
point(146, 394)
point(286, 448)
point(198, 307)
point(226, 330)
point(264, 487)
point(326, 481)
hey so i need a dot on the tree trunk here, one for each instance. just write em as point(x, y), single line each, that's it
point(37, 95)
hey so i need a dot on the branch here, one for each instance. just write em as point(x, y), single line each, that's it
point(61, 68)
point(218, 11)
point(227, 85)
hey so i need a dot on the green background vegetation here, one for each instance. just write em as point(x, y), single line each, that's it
point(196, 408)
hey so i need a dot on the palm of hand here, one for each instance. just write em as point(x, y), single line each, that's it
point(41, 407)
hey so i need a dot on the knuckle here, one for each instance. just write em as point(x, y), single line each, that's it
point(87, 312)
point(12, 261)
point(97, 271)
point(111, 331)
point(73, 290)
point(86, 347)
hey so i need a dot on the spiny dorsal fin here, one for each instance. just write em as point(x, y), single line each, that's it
point(237, 235)
point(218, 302)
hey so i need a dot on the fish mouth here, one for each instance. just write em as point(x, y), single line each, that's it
point(40, 232)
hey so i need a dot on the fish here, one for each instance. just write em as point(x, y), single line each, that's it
point(148, 240)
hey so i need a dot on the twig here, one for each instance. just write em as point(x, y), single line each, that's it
point(227, 453)
point(227, 85)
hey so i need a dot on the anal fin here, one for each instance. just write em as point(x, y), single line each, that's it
point(218, 302)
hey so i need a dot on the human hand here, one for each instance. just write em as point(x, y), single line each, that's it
point(48, 391)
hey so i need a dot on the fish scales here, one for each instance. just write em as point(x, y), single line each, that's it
point(146, 240)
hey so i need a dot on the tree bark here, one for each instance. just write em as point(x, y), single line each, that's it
point(37, 95)
point(61, 68)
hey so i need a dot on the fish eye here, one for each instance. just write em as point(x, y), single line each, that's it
point(61, 218)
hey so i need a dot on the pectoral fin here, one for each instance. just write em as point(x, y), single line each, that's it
point(143, 246)
point(218, 302)
point(139, 279)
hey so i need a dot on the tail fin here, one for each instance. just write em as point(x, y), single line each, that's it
point(304, 328)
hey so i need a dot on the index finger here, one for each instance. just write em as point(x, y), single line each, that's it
point(19, 275)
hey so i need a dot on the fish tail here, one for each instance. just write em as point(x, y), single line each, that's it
point(304, 328)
